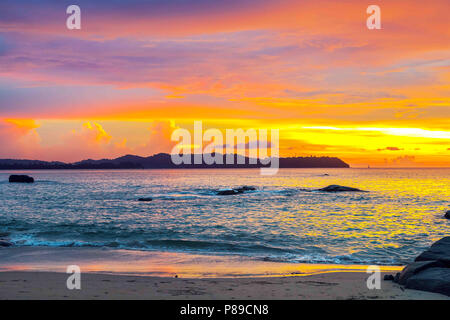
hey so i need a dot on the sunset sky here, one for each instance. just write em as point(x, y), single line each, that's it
point(139, 69)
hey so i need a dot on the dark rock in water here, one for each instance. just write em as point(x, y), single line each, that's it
point(439, 251)
point(388, 277)
point(21, 178)
point(337, 188)
point(145, 199)
point(230, 192)
point(416, 267)
point(4, 243)
point(396, 277)
point(227, 192)
point(245, 188)
point(433, 280)
point(447, 215)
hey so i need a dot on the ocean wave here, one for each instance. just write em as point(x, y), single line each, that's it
point(257, 252)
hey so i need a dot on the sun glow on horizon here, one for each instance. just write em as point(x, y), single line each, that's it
point(405, 132)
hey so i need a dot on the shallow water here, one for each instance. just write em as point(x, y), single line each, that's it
point(283, 220)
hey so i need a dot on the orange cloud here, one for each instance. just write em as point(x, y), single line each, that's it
point(18, 138)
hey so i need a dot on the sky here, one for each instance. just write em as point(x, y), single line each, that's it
point(137, 70)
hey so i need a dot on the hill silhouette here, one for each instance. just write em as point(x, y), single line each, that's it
point(163, 161)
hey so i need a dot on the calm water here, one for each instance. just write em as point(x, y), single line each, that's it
point(281, 221)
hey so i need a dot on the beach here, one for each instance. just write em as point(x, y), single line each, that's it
point(40, 273)
point(335, 285)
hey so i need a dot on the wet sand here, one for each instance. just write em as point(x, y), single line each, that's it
point(335, 285)
point(40, 273)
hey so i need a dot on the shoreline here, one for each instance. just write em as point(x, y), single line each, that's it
point(161, 263)
point(24, 285)
point(40, 273)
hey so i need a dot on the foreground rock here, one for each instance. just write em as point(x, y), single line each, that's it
point(230, 192)
point(337, 188)
point(430, 271)
point(21, 178)
point(447, 215)
point(414, 268)
point(439, 251)
point(433, 280)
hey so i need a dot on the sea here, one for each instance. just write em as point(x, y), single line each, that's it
point(284, 220)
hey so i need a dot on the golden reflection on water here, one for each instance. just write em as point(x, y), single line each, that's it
point(284, 220)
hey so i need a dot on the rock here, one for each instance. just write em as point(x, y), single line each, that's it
point(245, 188)
point(230, 192)
point(447, 215)
point(433, 280)
point(145, 199)
point(430, 271)
point(337, 188)
point(4, 243)
point(439, 251)
point(416, 267)
point(388, 277)
point(21, 178)
point(396, 277)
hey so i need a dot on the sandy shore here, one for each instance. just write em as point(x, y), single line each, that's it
point(40, 273)
point(335, 285)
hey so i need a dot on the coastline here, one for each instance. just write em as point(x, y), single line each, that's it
point(39, 273)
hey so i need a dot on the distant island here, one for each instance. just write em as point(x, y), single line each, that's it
point(163, 161)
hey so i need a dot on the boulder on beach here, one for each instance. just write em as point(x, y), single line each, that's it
point(388, 277)
point(439, 251)
point(21, 178)
point(337, 188)
point(430, 271)
point(434, 280)
point(414, 268)
point(230, 192)
point(447, 215)
point(145, 199)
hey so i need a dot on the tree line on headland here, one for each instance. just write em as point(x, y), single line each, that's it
point(163, 161)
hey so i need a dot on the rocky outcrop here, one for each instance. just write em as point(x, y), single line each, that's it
point(230, 192)
point(337, 188)
point(21, 178)
point(430, 271)
point(414, 268)
point(439, 251)
point(433, 280)
point(447, 215)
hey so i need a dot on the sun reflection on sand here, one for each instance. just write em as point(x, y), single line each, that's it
point(169, 264)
